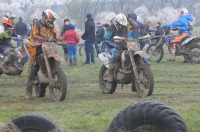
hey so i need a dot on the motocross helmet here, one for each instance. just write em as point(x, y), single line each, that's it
point(183, 11)
point(48, 17)
point(120, 21)
point(8, 19)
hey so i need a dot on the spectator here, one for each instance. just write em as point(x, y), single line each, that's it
point(63, 30)
point(147, 26)
point(158, 29)
point(72, 38)
point(99, 36)
point(64, 27)
point(89, 37)
point(21, 30)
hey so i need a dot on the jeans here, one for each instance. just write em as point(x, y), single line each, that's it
point(19, 42)
point(71, 48)
point(89, 51)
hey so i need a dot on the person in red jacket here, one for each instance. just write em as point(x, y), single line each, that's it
point(72, 38)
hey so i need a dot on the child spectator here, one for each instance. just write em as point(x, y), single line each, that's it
point(72, 38)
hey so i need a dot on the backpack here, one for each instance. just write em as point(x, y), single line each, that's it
point(107, 33)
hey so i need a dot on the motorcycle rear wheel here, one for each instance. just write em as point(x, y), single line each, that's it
point(194, 57)
point(58, 93)
point(146, 85)
point(147, 117)
point(155, 53)
point(106, 87)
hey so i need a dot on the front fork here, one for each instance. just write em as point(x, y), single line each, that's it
point(134, 66)
point(49, 72)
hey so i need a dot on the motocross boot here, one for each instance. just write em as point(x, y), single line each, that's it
point(172, 54)
point(30, 81)
point(75, 62)
point(109, 74)
point(4, 65)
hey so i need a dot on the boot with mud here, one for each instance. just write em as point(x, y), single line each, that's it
point(70, 62)
point(4, 65)
point(75, 62)
point(172, 52)
point(109, 74)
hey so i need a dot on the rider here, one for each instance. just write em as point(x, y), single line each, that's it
point(5, 40)
point(183, 24)
point(42, 31)
point(117, 28)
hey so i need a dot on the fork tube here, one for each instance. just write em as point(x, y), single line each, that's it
point(48, 70)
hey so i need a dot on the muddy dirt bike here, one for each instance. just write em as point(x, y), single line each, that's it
point(130, 69)
point(147, 117)
point(14, 58)
point(31, 123)
point(50, 73)
point(188, 47)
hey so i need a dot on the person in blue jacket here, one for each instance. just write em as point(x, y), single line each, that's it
point(183, 24)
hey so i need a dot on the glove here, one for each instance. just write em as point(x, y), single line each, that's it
point(49, 39)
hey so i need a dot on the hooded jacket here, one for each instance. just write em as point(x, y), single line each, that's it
point(89, 34)
point(183, 23)
point(71, 36)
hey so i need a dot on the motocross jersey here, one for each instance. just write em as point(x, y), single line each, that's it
point(40, 33)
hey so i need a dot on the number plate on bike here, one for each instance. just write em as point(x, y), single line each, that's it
point(133, 45)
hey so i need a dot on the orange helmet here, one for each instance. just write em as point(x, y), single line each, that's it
point(8, 19)
point(49, 15)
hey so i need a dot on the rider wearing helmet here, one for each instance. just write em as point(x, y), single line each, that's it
point(118, 28)
point(183, 24)
point(42, 31)
point(6, 32)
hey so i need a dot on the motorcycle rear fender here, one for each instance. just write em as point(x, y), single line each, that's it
point(142, 54)
point(56, 57)
point(186, 41)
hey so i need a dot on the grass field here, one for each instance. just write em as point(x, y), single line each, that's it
point(86, 109)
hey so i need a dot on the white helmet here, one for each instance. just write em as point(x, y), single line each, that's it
point(183, 11)
point(121, 19)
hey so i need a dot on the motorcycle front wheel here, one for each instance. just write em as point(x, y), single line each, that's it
point(105, 86)
point(146, 85)
point(59, 91)
point(155, 53)
point(147, 117)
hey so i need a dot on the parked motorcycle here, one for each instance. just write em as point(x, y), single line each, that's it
point(130, 69)
point(50, 73)
point(14, 58)
point(187, 47)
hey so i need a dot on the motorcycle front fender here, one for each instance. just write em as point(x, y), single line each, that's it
point(142, 54)
point(56, 57)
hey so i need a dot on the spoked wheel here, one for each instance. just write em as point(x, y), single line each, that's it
point(194, 56)
point(105, 86)
point(40, 89)
point(31, 123)
point(59, 91)
point(81, 49)
point(147, 117)
point(146, 85)
point(155, 53)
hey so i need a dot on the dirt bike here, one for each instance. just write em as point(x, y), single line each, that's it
point(50, 73)
point(15, 57)
point(147, 117)
point(130, 69)
point(187, 47)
